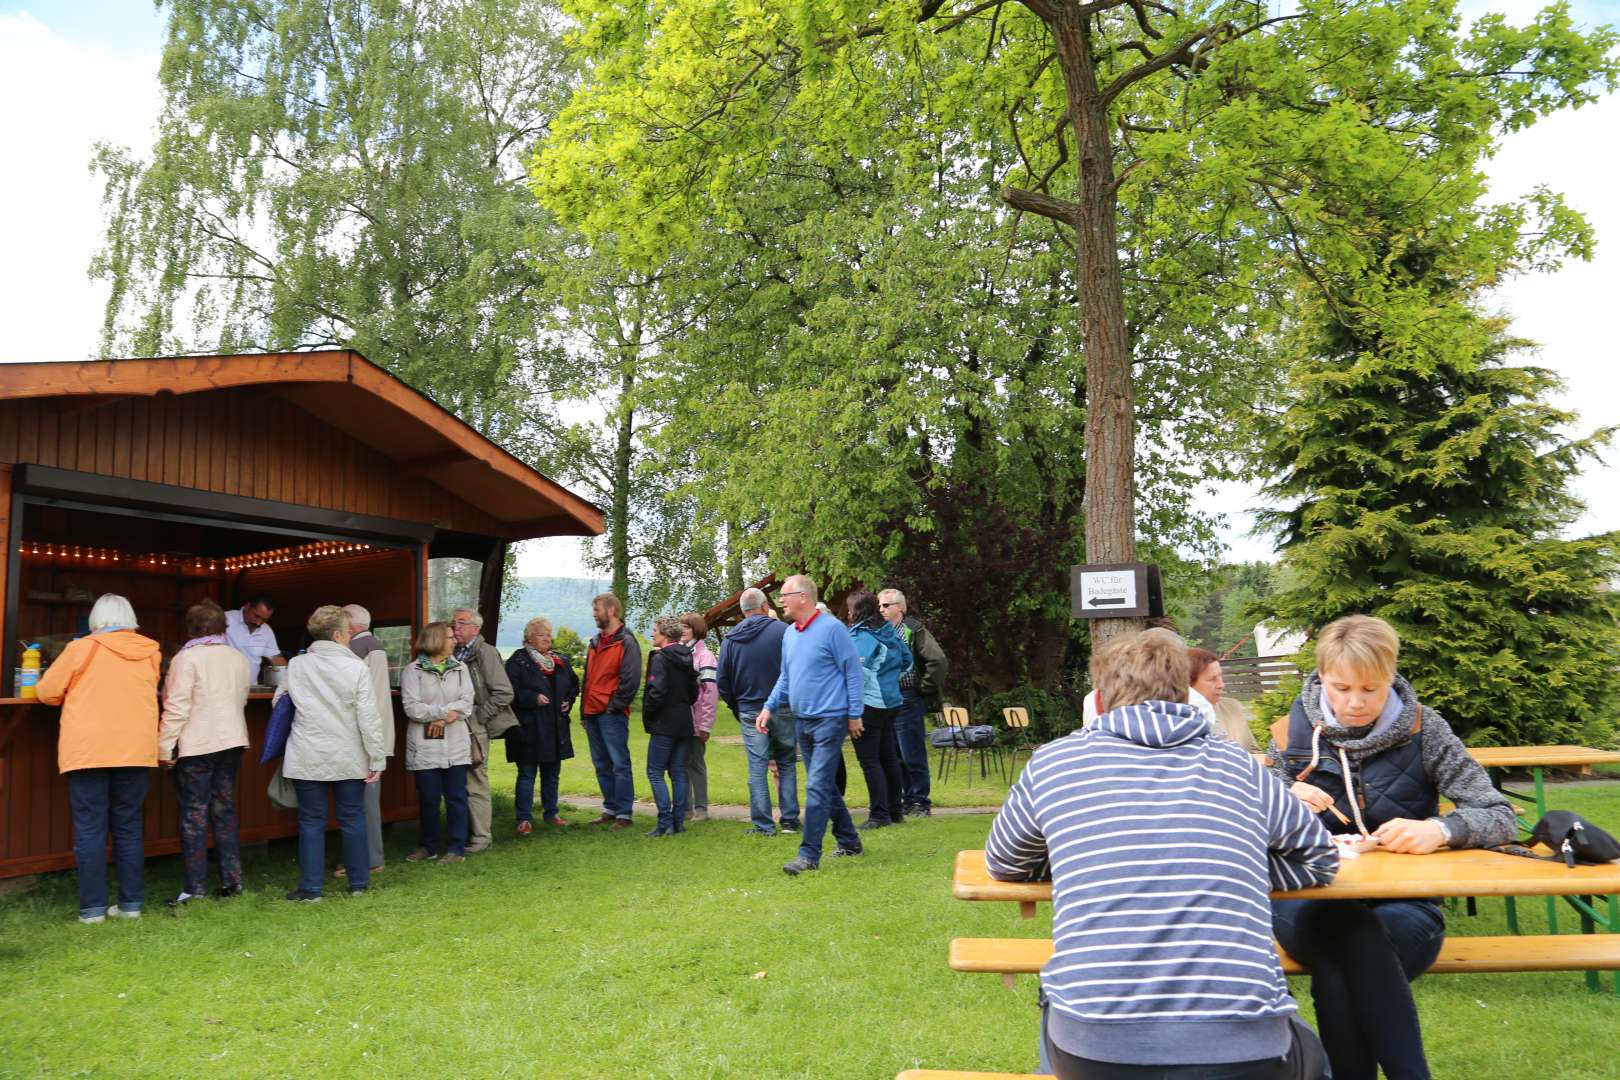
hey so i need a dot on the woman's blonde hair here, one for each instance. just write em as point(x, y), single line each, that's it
point(533, 627)
point(1359, 644)
point(1149, 666)
point(432, 638)
point(326, 622)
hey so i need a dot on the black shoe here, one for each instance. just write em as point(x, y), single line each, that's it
point(798, 866)
point(226, 892)
point(917, 810)
point(874, 823)
point(302, 897)
point(841, 851)
point(788, 826)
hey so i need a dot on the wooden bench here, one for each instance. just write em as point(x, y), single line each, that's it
point(1008, 957)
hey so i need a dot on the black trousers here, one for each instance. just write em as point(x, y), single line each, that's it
point(878, 751)
point(1306, 1060)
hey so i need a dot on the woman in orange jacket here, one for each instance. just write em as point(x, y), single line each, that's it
point(107, 685)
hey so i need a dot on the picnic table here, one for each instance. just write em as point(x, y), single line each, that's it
point(1374, 875)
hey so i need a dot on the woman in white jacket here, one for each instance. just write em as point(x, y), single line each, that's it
point(436, 691)
point(337, 744)
point(203, 701)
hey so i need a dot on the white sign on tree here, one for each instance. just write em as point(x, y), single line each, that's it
point(1108, 589)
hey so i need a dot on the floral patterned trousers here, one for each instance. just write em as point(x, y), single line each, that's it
point(207, 790)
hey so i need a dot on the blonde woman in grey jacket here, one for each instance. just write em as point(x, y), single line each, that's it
point(336, 744)
point(436, 691)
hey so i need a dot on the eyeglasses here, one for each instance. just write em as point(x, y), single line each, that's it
point(795, 592)
point(889, 604)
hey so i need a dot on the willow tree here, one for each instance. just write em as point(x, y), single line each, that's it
point(1178, 145)
point(338, 173)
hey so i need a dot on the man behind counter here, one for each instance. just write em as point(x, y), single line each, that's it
point(248, 631)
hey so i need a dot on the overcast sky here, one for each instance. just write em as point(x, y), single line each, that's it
point(73, 72)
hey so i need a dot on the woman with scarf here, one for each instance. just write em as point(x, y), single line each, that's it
point(884, 658)
point(436, 692)
point(1361, 750)
point(543, 691)
point(204, 703)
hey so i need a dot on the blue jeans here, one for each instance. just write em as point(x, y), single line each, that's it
point(609, 736)
point(550, 773)
point(910, 730)
point(667, 754)
point(99, 798)
point(1362, 956)
point(349, 797)
point(761, 752)
point(821, 744)
point(449, 784)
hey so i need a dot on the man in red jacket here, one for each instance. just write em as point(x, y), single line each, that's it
point(612, 673)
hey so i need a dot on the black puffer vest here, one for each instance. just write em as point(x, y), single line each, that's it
point(1388, 784)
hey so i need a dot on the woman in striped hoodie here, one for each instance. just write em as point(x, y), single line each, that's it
point(1162, 843)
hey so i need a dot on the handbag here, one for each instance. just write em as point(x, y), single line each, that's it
point(974, 736)
point(476, 750)
point(276, 731)
point(1574, 839)
point(281, 791)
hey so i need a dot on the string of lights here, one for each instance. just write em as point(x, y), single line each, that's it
point(157, 560)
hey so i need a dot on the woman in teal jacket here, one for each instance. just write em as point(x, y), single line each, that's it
point(884, 658)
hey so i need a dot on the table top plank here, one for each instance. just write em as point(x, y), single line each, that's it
point(1505, 757)
point(1376, 875)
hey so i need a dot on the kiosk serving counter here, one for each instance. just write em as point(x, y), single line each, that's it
point(312, 477)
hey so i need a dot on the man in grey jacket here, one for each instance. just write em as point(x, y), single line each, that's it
point(492, 717)
point(921, 690)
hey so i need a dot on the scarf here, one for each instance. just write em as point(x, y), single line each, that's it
point(547, 662)
point(438, 667)
point(206, 639)
point(465, 653)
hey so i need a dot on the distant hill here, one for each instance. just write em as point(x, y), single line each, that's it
point(565, 601)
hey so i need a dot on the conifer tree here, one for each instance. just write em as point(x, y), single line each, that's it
point(1428, 483)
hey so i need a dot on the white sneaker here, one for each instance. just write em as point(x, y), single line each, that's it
point(117, 913)
point(91, 920)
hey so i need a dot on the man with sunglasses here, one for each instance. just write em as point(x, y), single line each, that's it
point(821, 680)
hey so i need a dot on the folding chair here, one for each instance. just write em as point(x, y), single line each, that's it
point(1017, 718)
point(958, 720)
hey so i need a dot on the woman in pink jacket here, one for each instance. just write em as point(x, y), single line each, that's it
point(204, 702)
point(693, 631)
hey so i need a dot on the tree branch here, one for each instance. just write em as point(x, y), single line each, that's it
point(1046, 206)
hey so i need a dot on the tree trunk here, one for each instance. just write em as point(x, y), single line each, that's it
point(1110, 413)
point(619, 513)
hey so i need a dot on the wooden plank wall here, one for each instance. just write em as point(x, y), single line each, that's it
point(246, 442)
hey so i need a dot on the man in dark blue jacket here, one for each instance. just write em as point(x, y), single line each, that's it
point(750, 661)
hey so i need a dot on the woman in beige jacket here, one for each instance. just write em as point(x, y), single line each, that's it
point(204, 699)
point(436, 692)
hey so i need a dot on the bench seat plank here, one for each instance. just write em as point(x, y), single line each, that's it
point(1534, 952)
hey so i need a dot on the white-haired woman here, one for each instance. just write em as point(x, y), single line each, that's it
point(543, 691)
point(107, 685)
point(336, 746)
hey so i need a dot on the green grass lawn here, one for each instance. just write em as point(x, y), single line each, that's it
point(581, 953)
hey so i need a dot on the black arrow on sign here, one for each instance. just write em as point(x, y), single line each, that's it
point(1104, 601)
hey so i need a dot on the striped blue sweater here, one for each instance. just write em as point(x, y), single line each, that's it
point(1162, 844)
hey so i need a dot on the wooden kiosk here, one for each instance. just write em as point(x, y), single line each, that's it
point(315, 477)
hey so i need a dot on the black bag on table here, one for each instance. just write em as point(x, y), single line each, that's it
point(1574, 839)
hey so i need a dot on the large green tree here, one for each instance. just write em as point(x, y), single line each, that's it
point(1427, 481)
point(1180, 153)
point(337, 173)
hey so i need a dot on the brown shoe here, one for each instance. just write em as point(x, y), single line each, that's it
point(605, 819)
point(558, 822)
point(619, 825)
point(421, 854)
point(451, 856)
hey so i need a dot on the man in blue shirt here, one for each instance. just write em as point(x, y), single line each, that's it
point(821, 681)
